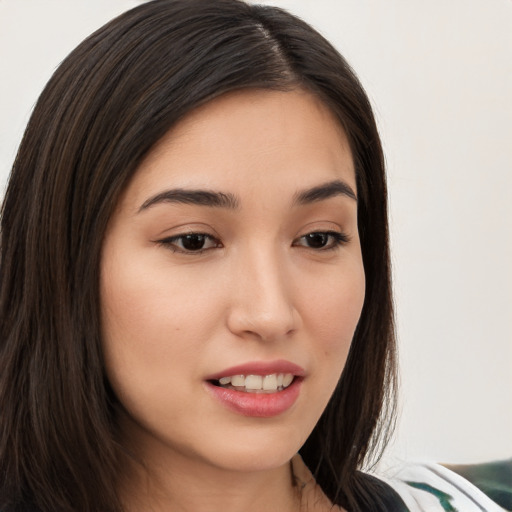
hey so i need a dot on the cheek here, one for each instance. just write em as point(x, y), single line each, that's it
point(145, 300)
point(334, 310)
point(153, 320)
point(136, 326)
point(334, 307)
point(148, 341)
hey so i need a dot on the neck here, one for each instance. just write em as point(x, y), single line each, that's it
point(188, 486)
point(159, 478)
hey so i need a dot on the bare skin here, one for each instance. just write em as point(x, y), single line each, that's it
point(268, 270)
point(312, 498)
point(303, 494)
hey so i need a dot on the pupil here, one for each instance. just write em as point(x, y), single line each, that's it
point(193, 242)
point(317, 240)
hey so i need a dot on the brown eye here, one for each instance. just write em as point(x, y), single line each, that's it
point(194, 242)
point(322, 240)
point(316, 240)
point(190, 243)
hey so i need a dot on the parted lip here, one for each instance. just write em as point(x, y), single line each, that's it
point(260, 368)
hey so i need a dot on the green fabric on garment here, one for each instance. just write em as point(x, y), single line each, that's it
point(444, 498)
point(493, 478)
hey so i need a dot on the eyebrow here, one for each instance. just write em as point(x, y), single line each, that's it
point(324, 191)
point(208, 198)
point(215, 199)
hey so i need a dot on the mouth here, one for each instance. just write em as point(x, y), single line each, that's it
point(260, 389)
point(271, 383)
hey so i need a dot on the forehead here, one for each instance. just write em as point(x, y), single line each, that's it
point(248, 138)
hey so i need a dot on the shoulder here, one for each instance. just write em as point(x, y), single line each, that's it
point(433, 487)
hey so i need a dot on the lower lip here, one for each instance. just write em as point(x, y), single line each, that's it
point(259, 405)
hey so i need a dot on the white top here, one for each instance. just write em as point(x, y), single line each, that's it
point(434, 488)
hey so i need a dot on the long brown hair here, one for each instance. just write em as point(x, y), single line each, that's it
point(104, 108)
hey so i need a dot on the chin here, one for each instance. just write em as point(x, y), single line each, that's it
point(254, 460)
point(255, 451)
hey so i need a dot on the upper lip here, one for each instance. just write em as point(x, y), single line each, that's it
point(260, 368)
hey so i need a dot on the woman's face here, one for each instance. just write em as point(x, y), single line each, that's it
point(233, 263)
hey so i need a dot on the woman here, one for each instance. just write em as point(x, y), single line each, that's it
point(198, 285)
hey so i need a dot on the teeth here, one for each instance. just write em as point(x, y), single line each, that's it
point(270, 382)
point(287, 380)
point(238, 380)
point(254, 383)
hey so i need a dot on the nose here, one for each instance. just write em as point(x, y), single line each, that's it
point(262, 302)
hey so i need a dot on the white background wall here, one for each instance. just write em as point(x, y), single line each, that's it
point(440, 76)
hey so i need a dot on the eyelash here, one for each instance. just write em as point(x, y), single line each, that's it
point(338, 239)
point(170, 243)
